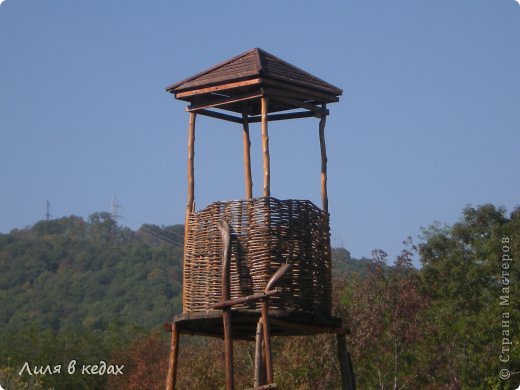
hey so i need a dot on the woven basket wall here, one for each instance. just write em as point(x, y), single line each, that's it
point(265, 233)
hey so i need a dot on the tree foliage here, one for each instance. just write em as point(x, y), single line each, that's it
point(462, 274)
point(68, 274)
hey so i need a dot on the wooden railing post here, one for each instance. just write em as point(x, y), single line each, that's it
point(247, 154)
point(323, 148)
point(265, 147)
point(190, 204)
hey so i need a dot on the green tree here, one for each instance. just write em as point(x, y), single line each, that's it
point(462, 274)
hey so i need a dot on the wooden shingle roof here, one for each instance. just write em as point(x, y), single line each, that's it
point(252, 64)
point(246, 77)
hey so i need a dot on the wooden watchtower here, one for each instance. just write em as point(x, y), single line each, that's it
point(257, 267)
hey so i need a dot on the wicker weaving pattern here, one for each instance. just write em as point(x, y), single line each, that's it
point(266, 232)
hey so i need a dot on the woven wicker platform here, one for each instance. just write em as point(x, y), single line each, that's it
point(266, 232)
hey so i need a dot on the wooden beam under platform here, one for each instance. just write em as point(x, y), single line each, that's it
point(245, 322)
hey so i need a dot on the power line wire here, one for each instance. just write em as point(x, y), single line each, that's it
point(147, 221)
point(155, 234)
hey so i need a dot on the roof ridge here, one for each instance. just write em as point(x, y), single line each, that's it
point(259, 62)
point(298, 69)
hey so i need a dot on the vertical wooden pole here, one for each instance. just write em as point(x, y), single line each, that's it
point(345, 365)
point(190, 205)
point(247, 154)
point(228, 349)
point(323, 148)
point(173, 362)
point(259, 359)
point(226, 314)
point(191, 164)
point(265, 147)
point(267, 341)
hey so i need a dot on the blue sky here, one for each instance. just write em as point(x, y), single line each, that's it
point(429, 120)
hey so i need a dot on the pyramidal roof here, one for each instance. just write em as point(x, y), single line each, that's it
point(254, 64)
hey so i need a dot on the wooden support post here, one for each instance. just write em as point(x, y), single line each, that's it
point(259, 356)
point(191, 164)
point(228, 349)
point(347, 373)
point(264, 359)
point(323, 148)
point(267, 341)
point(247, 154)
point(265, 148)
point(226, 314)
point(190, 204)
point(173, 362)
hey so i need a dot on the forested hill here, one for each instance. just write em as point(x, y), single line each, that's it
point(68, 274)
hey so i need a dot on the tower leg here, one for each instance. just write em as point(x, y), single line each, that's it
point(228, 349)
point(267, 342)
point(345, 364)
point(259, 356)
point(173, 362)
point(226, 313)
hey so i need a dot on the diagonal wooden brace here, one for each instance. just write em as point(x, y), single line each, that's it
point(265, 321)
